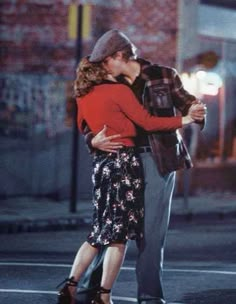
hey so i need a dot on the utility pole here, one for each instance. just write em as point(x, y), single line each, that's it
point(222, 106)
point(75, 133)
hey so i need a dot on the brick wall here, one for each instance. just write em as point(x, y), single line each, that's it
point(152, 26)
point(34, 35)
point(34, 38)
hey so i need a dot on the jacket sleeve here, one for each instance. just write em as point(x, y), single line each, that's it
point(130, 106)
point(181, 98)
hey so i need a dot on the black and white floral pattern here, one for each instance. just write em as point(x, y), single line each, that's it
point(118, 197)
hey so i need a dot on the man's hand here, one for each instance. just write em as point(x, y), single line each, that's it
point(105, 143)
point(197, 111)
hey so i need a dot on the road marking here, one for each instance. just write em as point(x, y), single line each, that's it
point(48, 292)
point(124, 299)
point(190, 270)
point(201, 271)
point(35, 264)
point(28, 291)
point(122, 268)
point(127, 268)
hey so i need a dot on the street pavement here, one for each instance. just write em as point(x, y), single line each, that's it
point(199, 265)
point(37, 249)
point(28, 214)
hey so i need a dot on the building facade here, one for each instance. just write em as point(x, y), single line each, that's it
point(41, 43)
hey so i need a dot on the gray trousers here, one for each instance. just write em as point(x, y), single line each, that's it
point(158, 196)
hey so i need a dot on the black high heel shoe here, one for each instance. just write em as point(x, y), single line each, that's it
point(97, 299)
point(64, 294)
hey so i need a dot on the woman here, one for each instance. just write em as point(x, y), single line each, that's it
point(117, 177)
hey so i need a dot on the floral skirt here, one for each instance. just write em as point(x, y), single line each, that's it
point(118, 197)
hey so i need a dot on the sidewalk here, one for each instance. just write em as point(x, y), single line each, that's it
point(26, 214)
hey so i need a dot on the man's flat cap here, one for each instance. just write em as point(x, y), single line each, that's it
point(108, 44)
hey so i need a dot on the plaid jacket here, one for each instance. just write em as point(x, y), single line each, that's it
point(163, 94)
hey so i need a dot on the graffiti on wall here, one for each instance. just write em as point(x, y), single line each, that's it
point(31, 104)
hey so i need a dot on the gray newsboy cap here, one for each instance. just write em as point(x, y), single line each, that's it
point(108, 44)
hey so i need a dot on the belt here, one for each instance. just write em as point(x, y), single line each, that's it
point(144, 149)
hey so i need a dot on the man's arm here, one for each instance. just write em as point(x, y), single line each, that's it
point(88, 136)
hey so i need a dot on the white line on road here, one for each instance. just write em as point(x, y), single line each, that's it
point(34, 264)
point(191, 270)
point(124, 299)
point(123, 268)
point(28, 291)
point(202, 271)
point(48, 292)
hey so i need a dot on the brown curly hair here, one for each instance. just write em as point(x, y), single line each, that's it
point(87, 76)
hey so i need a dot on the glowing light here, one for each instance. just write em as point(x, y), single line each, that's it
point(202, 83)
point(189, 82)
point(214, 79)
point(209, 89)
point(210, 84)
point(201, 74)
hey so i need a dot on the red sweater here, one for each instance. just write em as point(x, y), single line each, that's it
point(116, 106)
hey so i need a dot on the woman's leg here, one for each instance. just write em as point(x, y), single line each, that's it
point(113, 260)
point(83, 258)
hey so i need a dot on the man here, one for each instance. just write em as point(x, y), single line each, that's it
point(161, 92)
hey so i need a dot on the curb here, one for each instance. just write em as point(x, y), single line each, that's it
point(202, 217)
point(68, 223)
point(42, 225)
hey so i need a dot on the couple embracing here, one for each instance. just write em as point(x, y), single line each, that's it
point(127, 113)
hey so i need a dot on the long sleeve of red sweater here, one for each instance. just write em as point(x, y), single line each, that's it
point(139, 115)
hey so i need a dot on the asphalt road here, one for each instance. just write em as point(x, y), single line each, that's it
point(199, 265)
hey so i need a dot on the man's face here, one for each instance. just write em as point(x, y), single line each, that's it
point(113, 65)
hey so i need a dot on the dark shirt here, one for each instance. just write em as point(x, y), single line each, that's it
point(138, 88)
